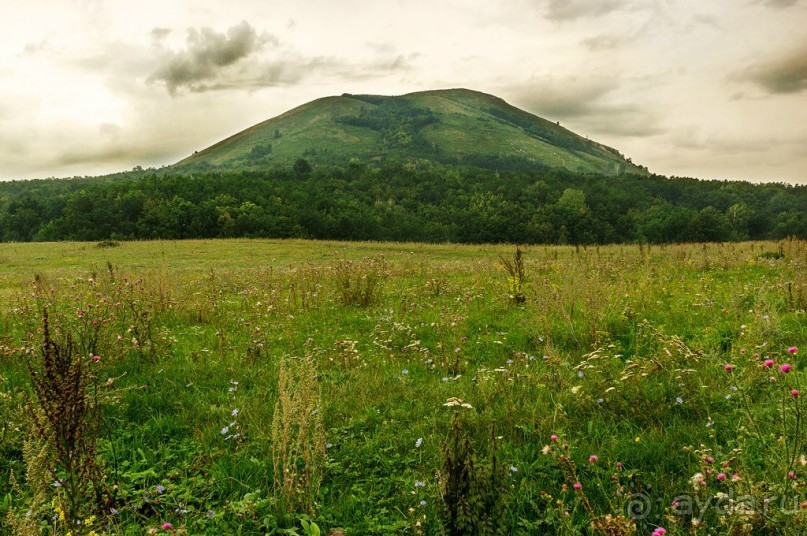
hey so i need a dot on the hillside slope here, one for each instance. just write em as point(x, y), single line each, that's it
point(447, 126)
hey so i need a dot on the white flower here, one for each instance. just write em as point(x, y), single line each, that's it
point(454, 401)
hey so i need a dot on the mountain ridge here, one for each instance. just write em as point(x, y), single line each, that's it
point(457, 125)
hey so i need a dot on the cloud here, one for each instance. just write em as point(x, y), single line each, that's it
point(786, 74)
point(566, 10)
point(158, 34)
point(605, 42)
point(563, 98)
point(208, 57)
point(780, 4)
point(590, 105)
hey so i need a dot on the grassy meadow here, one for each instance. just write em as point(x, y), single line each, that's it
point(299, 387)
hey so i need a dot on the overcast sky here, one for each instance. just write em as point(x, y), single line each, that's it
point(710, 89)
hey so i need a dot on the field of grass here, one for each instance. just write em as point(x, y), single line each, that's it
point(254, 386)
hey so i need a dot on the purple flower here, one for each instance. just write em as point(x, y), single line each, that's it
point(160, 489)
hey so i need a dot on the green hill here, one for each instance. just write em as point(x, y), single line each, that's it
point(448, 126)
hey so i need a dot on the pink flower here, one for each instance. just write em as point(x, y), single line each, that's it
point(619, 465)
point(710, 459)
point(725, 464)
point(661, 531)
point(721, 476)
point(792, 350)
point(728, 367)
point(769, 363)
point(578, 486)
point(787, 367)
point(167, 526)
point(593, 458)
point(553, 437)
point(791, 475)
point(96, 358)
point(794, 393)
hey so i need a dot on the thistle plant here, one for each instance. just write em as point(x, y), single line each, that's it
point(515, 277)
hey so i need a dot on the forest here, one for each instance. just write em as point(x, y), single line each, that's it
point(420, 201)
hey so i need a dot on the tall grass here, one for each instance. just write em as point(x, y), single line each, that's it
point(204, 422)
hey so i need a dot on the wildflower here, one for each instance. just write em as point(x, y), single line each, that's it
point(578, 486)
point(328, 445)
point(167, 526)
point(679, 400)
point(234, 412)
point(696, 479)
point(661, 531)
point(553, 437)
point(710, 459)
point(96, 358)
point(546, 450)
point(791, 475)
point(721, 476)
point(420, 484)
point(225, 430)
point(422, 503)
point(728, 367)
point(418, 443)
point(580, 374)
point(769, 363)
point(593, 458)
point(160, 489)
point(454, 401)
point(792, 350)
point(405, 372)
point(619, 465)
point(57, 484)
point(794, 393)
point(787, 367)
point(513, 469)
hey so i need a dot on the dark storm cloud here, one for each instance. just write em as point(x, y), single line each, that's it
point(787, 74)
point(208, 56)
point(566, 10)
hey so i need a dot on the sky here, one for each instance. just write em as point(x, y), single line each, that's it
point(714, 90)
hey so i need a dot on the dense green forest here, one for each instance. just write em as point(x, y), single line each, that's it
point(400, 202)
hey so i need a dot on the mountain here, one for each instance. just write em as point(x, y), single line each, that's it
point(457, 126)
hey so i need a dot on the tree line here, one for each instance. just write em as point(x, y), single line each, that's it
point(400, 202)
